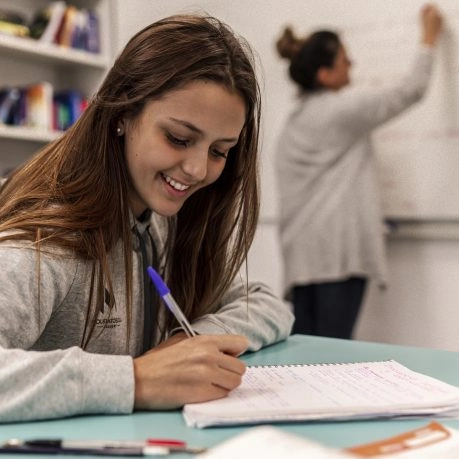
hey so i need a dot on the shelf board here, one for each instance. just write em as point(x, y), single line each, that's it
point(28, 133)
point(50, 53)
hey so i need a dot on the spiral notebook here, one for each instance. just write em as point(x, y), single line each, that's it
point(326, 392)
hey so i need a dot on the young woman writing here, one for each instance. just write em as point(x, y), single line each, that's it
point(160, 170)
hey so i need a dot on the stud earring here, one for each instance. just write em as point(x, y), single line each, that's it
point(119, 131)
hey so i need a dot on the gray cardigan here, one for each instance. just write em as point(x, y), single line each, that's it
point(43, 371)
point(330, 219)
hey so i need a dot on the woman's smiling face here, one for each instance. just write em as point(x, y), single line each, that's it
point(179, 144)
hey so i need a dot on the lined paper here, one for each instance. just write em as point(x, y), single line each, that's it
point(327, 392)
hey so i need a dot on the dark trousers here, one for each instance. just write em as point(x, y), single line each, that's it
point(329, 308)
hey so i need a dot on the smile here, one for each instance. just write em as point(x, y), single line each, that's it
point(174, 184)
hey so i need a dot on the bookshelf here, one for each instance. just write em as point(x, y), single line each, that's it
point(25, 61)
point(28, 48)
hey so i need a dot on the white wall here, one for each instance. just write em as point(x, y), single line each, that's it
point(420, 306)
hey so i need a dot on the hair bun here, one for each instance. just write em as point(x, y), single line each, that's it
point(288, 44)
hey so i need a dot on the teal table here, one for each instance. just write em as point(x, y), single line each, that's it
point(443, 365)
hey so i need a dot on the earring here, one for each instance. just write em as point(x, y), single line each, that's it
point(119, 131)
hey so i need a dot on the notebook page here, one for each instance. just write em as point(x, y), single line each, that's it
point(328, 391)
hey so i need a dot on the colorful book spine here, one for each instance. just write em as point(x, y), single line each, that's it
point(93, 33)
point(58, 23)
point(68, 106)
point(39, 105)
point(8, 99)
point(53, 15)
point(67, 27)
point(9, 28)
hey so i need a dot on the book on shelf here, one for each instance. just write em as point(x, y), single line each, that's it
point(39, 105)
point(8, 99)
point(328, 392)
point(17, 115)
point(93, 32)
point(66, 25)
point(17, 30)
point(68, 106)
point(13, 23)
point(47, 21)
point(79, 30)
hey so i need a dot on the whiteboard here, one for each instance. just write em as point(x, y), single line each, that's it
point(418, 153)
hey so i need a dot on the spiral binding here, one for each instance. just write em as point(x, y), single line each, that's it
point(298, 365)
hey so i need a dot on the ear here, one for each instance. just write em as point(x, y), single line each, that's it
point(120, 129)
point(324, 76)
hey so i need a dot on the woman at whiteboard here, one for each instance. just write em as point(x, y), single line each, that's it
point(331, 228)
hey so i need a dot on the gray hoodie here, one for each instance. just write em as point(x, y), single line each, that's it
point(330, 224)
point(44, 373)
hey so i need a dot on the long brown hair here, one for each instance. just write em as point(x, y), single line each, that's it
point(73, 193)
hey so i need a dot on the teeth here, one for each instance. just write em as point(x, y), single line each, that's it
point(176, 185)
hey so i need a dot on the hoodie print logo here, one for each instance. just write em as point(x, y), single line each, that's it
point(110, 321)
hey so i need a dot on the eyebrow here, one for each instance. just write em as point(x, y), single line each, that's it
point(194, 128)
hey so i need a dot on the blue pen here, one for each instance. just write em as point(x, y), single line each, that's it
point(165, 294)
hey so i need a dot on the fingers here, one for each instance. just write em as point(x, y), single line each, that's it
point(194, 369)
point(229, 374)
point(432, 22)
point(218, 356)
point(222, 369)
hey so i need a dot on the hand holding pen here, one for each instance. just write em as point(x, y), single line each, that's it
point(203, 368)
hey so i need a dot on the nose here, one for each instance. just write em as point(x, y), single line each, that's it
point(194, 164)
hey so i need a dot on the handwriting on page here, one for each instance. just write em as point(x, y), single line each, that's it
point(383, 389)
point(325, 386)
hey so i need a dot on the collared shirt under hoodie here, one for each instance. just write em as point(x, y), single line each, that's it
point(145, 246)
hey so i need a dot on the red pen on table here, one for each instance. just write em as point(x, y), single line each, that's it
point(167, 442)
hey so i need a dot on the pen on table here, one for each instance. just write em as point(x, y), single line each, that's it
point(149, 447)
point(165, 294)
point(86, 451)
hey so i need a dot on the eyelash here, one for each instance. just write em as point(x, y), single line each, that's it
point(184, 143)
point(176, 141)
